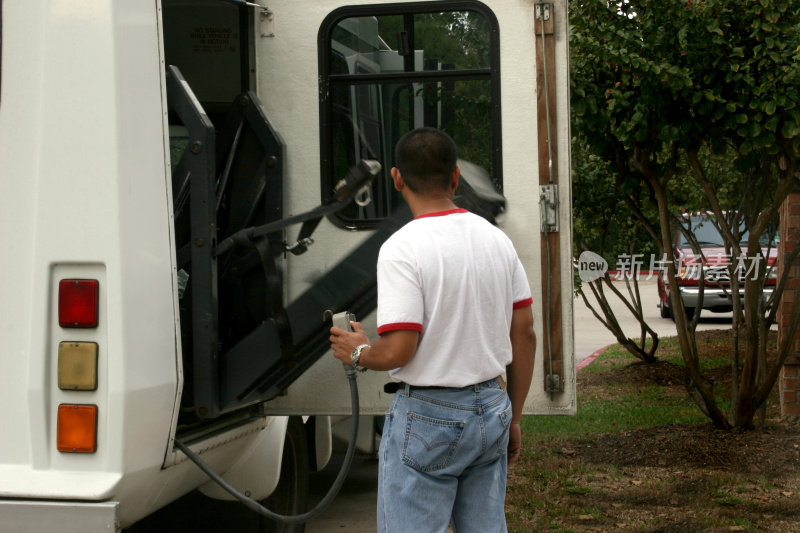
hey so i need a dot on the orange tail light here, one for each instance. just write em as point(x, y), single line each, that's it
point(77, 428)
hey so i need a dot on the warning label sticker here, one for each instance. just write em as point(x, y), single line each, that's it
point(214, 40)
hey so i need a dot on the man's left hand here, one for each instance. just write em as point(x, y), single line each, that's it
point(514, 442)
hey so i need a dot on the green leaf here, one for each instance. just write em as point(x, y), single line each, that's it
point(772, 123)
point(790, 130)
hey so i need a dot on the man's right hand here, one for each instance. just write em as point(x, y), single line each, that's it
point(344, 342)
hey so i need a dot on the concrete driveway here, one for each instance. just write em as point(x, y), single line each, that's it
point(353, 511)
point(591, 335)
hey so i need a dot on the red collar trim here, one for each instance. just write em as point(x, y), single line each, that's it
point(442, 213)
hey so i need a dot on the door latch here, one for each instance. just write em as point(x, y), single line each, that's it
point(548, 207)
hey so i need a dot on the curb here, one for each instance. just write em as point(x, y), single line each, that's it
point(586, 362)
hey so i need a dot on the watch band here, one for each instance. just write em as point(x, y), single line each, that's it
point(355, 355)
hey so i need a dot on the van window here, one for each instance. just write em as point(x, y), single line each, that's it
point(385, 70)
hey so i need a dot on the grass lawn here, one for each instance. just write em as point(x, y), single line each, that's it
point(640, 456)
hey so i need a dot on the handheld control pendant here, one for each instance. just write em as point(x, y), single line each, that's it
point(342, 321)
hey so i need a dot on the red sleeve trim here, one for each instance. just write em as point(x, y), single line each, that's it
point(399, 326)
point(523, 303)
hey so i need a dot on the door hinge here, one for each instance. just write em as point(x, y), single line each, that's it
point(552, 383)
point(267, 23)
point(542, 11)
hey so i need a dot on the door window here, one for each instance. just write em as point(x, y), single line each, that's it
point(385, 70)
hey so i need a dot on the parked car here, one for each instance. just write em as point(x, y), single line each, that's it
point(714, 264)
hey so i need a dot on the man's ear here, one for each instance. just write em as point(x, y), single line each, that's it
point(454, 178)
point(397, 178)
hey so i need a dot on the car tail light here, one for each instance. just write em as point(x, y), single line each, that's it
point(689, 272)
point(688, 275)
point(76, 428)
point(77, 303)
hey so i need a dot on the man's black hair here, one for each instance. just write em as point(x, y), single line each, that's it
point(426, 157)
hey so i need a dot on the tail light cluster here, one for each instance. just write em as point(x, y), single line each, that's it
point(77, 365)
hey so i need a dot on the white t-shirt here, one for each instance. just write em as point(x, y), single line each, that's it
point(456, 279)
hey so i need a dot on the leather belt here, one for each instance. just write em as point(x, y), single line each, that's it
point(394, 386)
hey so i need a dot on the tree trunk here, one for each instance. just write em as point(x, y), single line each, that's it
point(700, 389)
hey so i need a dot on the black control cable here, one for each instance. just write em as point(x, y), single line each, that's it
point(332, 492)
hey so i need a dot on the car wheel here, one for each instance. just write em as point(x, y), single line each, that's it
point(664, 309)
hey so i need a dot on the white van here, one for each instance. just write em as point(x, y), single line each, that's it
point(166, 271)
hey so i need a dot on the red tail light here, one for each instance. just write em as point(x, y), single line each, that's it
point(77, 303)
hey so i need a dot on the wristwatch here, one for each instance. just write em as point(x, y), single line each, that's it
point(355, 355)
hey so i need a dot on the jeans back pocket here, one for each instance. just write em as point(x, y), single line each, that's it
point(501, 444)
point(430, 443)
point(505, 416)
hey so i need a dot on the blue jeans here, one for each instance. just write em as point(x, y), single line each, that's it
point(443, 456)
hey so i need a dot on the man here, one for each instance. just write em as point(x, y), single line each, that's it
point(454, 314)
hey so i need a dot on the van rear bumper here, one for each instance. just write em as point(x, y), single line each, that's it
point(713, 299)
point(33, 516)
